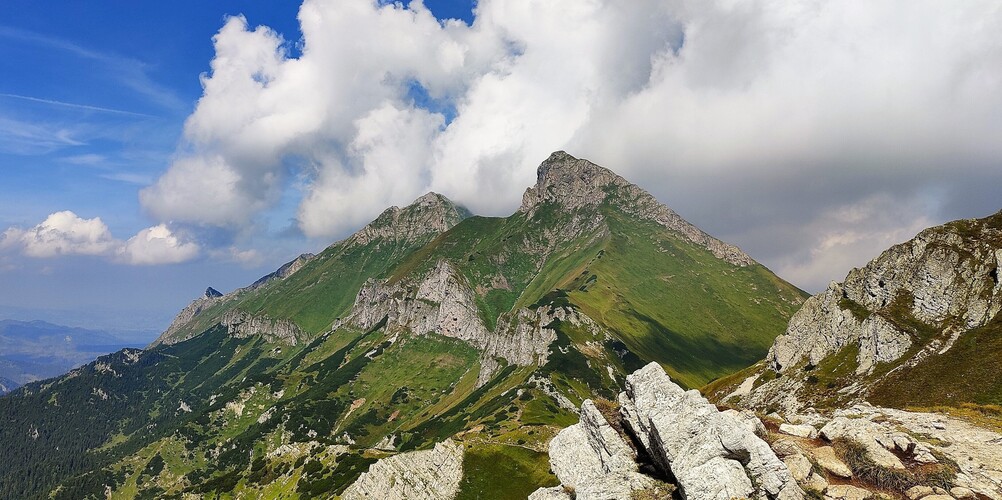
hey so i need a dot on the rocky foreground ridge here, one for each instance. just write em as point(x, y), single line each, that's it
point(709, 454)
point(657, 440)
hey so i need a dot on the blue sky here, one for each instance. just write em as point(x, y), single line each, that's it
point(149, 150)
point(93, 98)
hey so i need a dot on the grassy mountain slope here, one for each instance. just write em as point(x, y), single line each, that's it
point(620, 279)
point(324, 287)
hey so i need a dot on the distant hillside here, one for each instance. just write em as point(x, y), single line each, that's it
point(36, 350)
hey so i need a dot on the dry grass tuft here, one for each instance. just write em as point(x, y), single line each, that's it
point(855, 456)
point(659, 491)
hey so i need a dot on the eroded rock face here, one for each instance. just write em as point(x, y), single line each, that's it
point(823, 327)
point(711, 454)
point(241, 324)
point(442, 302)
point(576, 183)
point(427, 474)
point(947, 277)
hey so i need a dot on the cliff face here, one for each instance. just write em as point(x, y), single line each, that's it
point(942, 283)
point(280, 331)
point(913, 328)
point(443, 303)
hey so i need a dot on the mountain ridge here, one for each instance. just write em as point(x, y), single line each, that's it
point(427, 325)
point(36, 350)
point(574, 183)
point(411, 225)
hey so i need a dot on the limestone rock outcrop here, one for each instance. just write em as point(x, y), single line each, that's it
point(287, 269)
point(418, 475)
point(443, 303)
point(923, 436)
point(175, 332)
point(242, 324)
point(593, 460)
point(576, 183)
point(711, 455)
point(432, 213)
point(947, 277)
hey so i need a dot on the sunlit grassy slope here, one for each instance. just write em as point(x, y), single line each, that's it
point(665, 298)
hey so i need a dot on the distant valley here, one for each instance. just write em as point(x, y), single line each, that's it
point(36, 350)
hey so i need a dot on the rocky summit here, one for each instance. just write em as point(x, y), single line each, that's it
point(591, 345)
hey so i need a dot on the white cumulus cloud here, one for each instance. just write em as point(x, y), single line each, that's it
point(62, 233)
point(65, 233)
point(157, 245)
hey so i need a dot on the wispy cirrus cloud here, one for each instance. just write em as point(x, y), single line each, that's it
point(84, 107)
point(33, 138)
point(128, 72)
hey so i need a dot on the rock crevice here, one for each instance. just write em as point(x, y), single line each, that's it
point(710, 454)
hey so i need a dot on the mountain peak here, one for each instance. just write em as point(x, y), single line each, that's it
point(575, 183)
point(571, 182)
point(429, 213)
point(431, 199)
point(211, 293)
